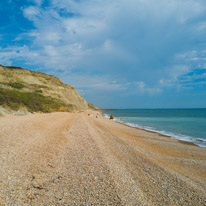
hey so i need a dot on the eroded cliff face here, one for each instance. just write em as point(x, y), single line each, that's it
point(18, 84)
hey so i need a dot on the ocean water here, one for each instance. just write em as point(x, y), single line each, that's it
point(184, 124)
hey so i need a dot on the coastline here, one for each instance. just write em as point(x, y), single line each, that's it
point(180, 137)
point(84, 158)
point(158, 133)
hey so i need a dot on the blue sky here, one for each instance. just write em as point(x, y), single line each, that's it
point(117, 54)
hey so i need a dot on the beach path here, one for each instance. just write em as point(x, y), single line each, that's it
point(86, 159)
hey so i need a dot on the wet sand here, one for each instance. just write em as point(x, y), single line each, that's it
point(82, 159)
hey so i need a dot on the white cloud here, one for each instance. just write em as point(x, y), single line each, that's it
point(32, 12)
point(103, 28)
point(193, 57)
point(175, 73)
point(94, 82)
point(124, 39)
point(21, 53)
point(178, 70)
point(142, 88)
point(38, 2)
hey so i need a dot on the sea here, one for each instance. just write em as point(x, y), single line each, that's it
point(183, 124)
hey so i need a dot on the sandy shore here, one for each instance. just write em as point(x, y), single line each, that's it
point(79, 159)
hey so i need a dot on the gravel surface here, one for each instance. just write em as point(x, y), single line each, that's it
point(82, 159)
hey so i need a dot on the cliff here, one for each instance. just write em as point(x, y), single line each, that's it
point(22, 89)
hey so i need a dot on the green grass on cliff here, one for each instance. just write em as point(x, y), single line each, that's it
point(34, 101)
point(15, 85)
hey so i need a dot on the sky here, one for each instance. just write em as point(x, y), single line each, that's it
point(117, 54)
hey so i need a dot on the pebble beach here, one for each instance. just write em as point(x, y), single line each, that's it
point(86, 159)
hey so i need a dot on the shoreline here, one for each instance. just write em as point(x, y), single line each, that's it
point(181, 138)
point(162, 135)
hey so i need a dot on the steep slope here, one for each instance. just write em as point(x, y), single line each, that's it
point(36, 91)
